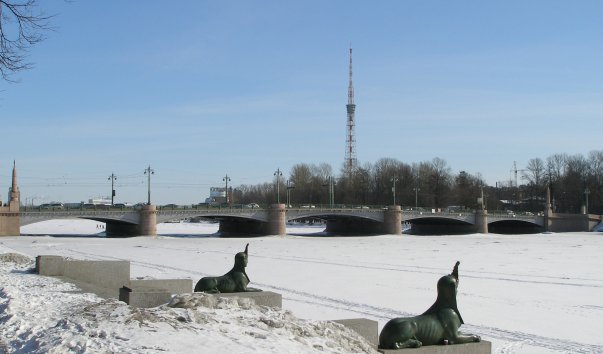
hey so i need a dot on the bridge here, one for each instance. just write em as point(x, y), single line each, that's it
point(340, 220)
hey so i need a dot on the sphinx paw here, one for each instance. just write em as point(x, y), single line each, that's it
point(476, 338)
point(410, 343)
point(414, 343)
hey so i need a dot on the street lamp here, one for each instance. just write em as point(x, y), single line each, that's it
point(148, 171)
point(586, 193)
point(331, 185)
point(416, 189)
point(278, 175)
point(289, 188)
point(112, 178)
point(332, 189)
point(394, 180)
point(226, 179)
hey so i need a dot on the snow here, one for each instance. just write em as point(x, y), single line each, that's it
point(540, 293)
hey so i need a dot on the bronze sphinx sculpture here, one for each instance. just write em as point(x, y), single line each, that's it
point(438, 325)
point(234, 281)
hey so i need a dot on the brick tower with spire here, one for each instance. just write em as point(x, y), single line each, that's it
point(10, 223)
point(15, 195)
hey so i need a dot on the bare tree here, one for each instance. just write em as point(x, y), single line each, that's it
point(535, 171)
point(439, 181)
point(301, 177)
point(596, 165)
point(21, 27)
point(555, 165)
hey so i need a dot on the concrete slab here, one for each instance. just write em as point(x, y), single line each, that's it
point(105, 293)
point(105, 274)
point(262, 298)
point(369, 329)
point(173, 286)
point(144, 297)
point(483, 347)
point(49, 265)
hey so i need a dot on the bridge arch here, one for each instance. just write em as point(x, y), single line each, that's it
point(515, 226)
point(354, 221)
point(237, 225)
point(440, 225)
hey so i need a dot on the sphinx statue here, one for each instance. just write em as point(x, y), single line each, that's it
point(438, 325)
point(234, 281)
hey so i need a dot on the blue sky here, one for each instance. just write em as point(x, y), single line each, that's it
point(200, 89)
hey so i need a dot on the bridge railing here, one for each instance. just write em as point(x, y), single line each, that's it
point(510, 213)
point(208, 206)
point(336, 206)
point(73, 208)
point(303, 206)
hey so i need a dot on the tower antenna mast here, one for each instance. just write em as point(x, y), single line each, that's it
point(350, 151)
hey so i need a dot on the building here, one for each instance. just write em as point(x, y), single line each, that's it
point(217, 195)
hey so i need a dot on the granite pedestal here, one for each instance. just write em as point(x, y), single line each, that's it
point(483, 347)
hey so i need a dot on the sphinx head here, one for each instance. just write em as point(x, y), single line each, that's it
point(447, 287)
point(241, 258)
point(448, 284)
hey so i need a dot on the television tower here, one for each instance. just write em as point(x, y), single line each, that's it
point(350, 150)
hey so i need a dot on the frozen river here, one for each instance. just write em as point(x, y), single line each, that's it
point(536, 293)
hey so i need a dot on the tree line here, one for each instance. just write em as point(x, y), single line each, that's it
point(432, 184)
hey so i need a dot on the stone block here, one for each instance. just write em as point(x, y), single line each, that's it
point(144, 297)
point(483, 347)
point(50, 265)
point(368, 329)
point(261, 298)
point(173, 286)
point(105, 274)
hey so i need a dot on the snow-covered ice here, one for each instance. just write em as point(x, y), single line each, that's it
point(540, 293)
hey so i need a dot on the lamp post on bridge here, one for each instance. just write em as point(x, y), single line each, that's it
point(32, 199)
point(278, 175)
point(331, 185)
point(332, 190)
point(586, 193)
point(226, 179)
point(112, 178)
point(416, 189)
point(148, 171)
point(394, 180)
point(289, 188)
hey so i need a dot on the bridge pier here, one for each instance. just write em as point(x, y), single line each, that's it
point(391, 225)
point(147, 225)
point(276, 224)
point(481, 221)
point(392, 220)
point(277, 220)
point(548, 211)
